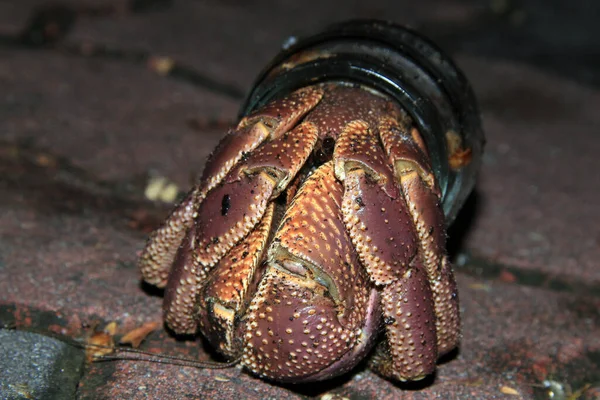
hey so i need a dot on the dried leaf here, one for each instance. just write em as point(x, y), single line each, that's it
point(507, 276)
point(578, 394)
point(480, 286)
point(45, 160)
point(154, 187)
point(159, 188)
point(457, 156)
point(23, 390)
point(101, 343)
point(333, 396)
point(137, 335)
point(460, 158)
point(111, 328)
point(473, 382)
point(169, 193)
point(509, 390)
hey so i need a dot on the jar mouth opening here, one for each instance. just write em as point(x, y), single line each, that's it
point(400, 64)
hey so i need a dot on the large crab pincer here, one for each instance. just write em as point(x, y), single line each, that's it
point(317, 231)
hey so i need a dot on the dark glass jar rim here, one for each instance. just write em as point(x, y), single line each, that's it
point(402, 64)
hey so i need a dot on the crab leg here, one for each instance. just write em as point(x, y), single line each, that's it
point(382, 232)
point(158, 255)
point(426, 212)
point(223, 299)
point(410, 352)
point(422, 198)
point(181, 293)
point(373, 208)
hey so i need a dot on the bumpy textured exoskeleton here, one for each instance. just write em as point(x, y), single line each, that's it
point(315, 233)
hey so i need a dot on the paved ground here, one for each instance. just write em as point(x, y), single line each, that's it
point(80, 131)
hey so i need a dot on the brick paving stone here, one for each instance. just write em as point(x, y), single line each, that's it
point(116, 121)
point(78, 135)
point(515, 338)
point(537, 189)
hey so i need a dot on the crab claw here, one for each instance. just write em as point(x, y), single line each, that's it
point(314, 315)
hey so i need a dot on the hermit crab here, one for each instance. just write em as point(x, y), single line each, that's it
point(315, 237)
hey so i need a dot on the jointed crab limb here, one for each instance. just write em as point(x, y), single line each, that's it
point(425, 209)
point(271, 121)
point(229, 152)
point(382, 231)
point(406, 150)
point(380, 228)
point(224, 297)
point(228, 214)
point(159, 253)
point(313, 243)
point(185, 278)
point(282, 115)
point(373, 208)
point(445, 299)
point(413, 171)
point(410, 326)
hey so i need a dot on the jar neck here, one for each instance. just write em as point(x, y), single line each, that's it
point(401, 64)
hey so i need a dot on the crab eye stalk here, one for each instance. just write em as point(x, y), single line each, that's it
point(404, 65)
